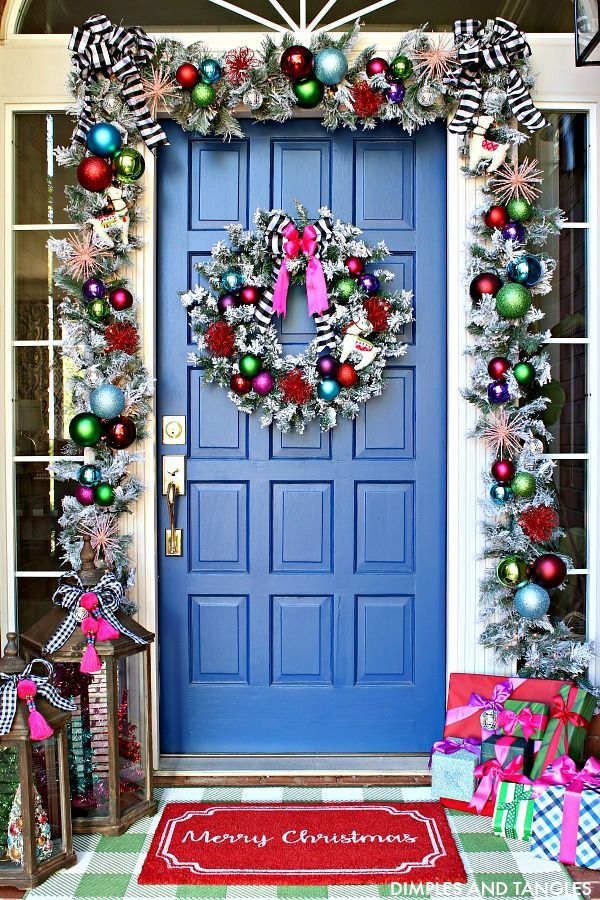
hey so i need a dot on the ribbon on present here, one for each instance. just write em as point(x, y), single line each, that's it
point(511, 808)
point(486, 50)
point(564, 772)
point(529, 721)
point(285, 242)
point(25, 685)
point(500, 695)
point(101, 48)
point(489, 772)
point(562, 720)
point(452, 745)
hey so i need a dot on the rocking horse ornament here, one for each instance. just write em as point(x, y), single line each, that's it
point(481, 147)
point(116, 216)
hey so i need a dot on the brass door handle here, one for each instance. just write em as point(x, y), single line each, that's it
point(173, 535)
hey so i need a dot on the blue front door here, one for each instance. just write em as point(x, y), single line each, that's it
point(307, 613)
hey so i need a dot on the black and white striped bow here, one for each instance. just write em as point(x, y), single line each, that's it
point(478, 50)
point(8, 692)
point(101, 48)
point(276, 239)
point(109, 592)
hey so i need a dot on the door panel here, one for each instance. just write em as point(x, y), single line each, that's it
point(307, 613)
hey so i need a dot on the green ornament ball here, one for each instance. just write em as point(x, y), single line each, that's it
point(523, 485)
point(308, 92)
point(250, 365)
point(524, 374)
point(346, 287)
point(519, 210)
point(104, 494)
point(99, 310)
point(128, 165)
point(401, 67)
point(513, 301)
point(511, 571)
point(85, 429)
point(203, 94)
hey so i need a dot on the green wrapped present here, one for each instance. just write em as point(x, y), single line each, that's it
point(570, 717)
point(523, 719)
point(513, 812)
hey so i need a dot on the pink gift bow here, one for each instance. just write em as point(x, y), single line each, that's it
point(316, 287)
point(490, 772)
point(500, 695)
point(564, 772)
point(453, 745)
point(529, 721)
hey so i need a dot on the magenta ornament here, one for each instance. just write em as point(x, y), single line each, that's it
point(263, 383)
point(84, 494)
point(377, 66)
point(327, 366)
point(226, 301)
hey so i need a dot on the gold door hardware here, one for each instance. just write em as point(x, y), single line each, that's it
point(173, 535)
point(173, 470)
point(173, 430)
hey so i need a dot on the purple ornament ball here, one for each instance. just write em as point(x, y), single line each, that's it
point(369, 283)
point(327, 366)
point(226, 301)
point(263, 383)
point(84, 494)
point(395, 92)
point(93, 289)
point(498, 392)
point(514, 231)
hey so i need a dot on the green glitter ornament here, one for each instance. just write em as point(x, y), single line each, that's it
point(523, 485)
point(203, 94)
point(513, 301)
point(519, 210)
point(401, 67)
point(346, 287)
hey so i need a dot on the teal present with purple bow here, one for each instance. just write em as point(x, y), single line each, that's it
point(452, 763)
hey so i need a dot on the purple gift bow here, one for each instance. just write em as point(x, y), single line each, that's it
point(450, 745)
point(500, 695)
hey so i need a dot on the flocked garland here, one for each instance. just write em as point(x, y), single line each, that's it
point(485, 72)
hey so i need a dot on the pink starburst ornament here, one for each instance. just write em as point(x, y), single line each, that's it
point(504, 434)
point(517, 181)
point(158, 88)
point(85, 257)
point(436, 61)
point(102, 530)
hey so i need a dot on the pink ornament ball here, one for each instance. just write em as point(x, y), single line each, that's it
point(355, 266)
point(376, 66)
point(263, 383)
point(84, 494)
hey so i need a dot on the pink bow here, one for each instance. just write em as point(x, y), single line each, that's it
point(508, 720)
point(500, 694)
point(563, 771)
point(491, 772)
point(316, 287)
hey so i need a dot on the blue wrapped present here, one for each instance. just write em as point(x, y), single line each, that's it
point(453, 762)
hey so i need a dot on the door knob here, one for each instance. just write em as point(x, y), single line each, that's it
point(173, 535)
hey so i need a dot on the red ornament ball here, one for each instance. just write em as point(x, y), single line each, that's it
point(220, 339)
point(346, 375)
point(366, 102)
point(496, 217)
point(486, 283)
point(250, 293)
point(240, 385)
point(355, 266)
point(187, 76)
point(539, 523)
point(94, 173)
point(378, 312)
point(503, 470)
point(121, 337)
point(120, 299)
point(296, 62)
point(377, 66)
point(294, 388)
point(548, 570)
point(498, 368)
point(120, 433)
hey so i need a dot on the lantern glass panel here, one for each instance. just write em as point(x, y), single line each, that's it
point(47, 811)
point(587, 32)
point(9, 783)
point(131, 731)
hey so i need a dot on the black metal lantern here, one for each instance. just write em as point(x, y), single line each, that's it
point(587, 32)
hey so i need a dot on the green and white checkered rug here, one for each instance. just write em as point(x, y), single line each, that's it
point(107, 867)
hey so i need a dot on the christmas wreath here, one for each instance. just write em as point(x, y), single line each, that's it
point(358, 328)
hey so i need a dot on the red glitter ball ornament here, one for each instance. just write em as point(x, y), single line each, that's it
point(187, 76)
point(539, 523)
point(94, 173)
point(240, 385)
point(496, 217)
point(503, 470)
point(121, 336)
point(347, 375)
point(366, 102)
point(355, 266)
point(378, 312)
point(294, 388)
point(220, 339)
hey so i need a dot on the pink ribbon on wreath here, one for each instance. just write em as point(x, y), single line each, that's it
point(316, 286)
point(490, 772)
point(564, 772)
point(529, 721)
point(500, 695)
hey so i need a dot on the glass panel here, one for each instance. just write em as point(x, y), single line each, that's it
point(46, 778)
point(39, 498)
point(132, 740)
point(570, 477)
point(566, 415)
point(588, 32)
point(34, 600)
point(10, 857)
point(561, 149)
point(40, 418)
point(40, 182)
point(36, 297)
point(570, 604)
point(565, 305)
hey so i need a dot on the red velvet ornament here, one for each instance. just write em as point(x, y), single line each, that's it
point(376, 66)
point(250, 293)
point(347, 375)
point(240, 385)
point(503, 470)
point(94, 173)
point(187, 76)
point(355, 266)
point(496, 217)
point(296, 62)
point(378, 311)
point(120, 299)
point(548, 570)
point(498, 368)
point(120, 432)
point(539, 523)
point(236, 64)
point(486, 283)
point(121, 336)
point(294, 388)
point(220, 339)
point(366, 102)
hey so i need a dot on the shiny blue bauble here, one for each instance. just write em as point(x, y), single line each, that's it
point(498, 392)
point(103, 139)
point(210, 71)
point(89, 475)
point(526, 269)
point(532, 601)
point(500, 493)
point(231, 281)
point(328, 389)
point(107, 401)
point(331, 65)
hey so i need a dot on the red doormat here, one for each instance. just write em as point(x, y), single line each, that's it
point(302, 843)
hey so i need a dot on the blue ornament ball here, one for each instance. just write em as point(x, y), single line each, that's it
point(103, 139)
point(331, 65)
point(328, 389)
point(498, 392)
point(107, 401)
point(500, 493)
point(210, 71)
point(526, 269)
point(231, 281)
point(532, 601)
point(89, 475)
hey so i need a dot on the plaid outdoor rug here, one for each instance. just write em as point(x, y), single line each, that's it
point(107, 867)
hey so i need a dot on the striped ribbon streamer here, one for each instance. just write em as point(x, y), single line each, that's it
point(8, 692)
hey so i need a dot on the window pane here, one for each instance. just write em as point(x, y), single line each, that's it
point(34, 600)
point(570, 477)
point(561, 149)
point(39, 497)
point(40, 182)
point(565, 306)
point(40, 417)
point(36, 297)
point(566, 415)
point(570, 603)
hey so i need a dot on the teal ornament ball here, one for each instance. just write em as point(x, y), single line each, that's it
point(519, 210)
point(511, 571)
point(128, 165)
point(523, 485)
point(89, 475)
point(331, 65)
point(401, 68)
point(500, 493)
point(232, 281)
point(345, 288)
point(103, 139)
point(328, 389)
point(203, 94)
point(532, 601)
point(210, 71)
point(513, 301)
point(308, 92)
point(85, 429)
point(107, 401)
point(526, 269)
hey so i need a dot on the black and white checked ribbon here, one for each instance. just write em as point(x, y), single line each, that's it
point(275, 242)
point(479, 50)
point(8, 692)
point(101, 48)
point(109, 592)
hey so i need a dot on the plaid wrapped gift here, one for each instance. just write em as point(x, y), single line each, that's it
point(523, 719)
point(513, 813)
point(570, 716)
point(452, 766)
point(566, 820)
point(504, 749)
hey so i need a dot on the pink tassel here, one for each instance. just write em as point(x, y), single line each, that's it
point(106, 632)
point(90, 662)
point(39, 729)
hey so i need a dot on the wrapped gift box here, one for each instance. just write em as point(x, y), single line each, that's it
point(504, 749)
point(571, 712)
point(523, 719)
point(452, 769)
point(513, 812)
